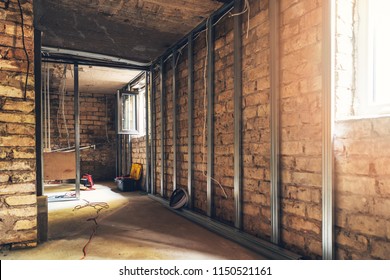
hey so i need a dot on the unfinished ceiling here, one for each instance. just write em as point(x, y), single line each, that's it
point(139, 30)
point(92, 79)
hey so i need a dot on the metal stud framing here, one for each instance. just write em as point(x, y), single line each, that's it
point(38, 111)
point(77, 127)
point(147, 178)
point(162, 123)
point(238, 115)
point(174, 132)
point(152, 132)
point(327, 130)
point(275, 120)
point(190, 116)
point(210, 116)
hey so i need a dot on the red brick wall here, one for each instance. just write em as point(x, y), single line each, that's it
point(18, 202)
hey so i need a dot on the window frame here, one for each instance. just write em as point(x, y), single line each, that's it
point(120, 113)
point(365, 63)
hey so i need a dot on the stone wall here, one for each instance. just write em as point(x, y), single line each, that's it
point(18, 201)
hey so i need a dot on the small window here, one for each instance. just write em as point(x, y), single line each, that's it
point(127, 115)
point(373, 57)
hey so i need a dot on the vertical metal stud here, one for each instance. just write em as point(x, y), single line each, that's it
point(77, 127)
point(190, 116)
point(174, 132)
point(275, 121)
point(38, 111)
point(210, 116)
point(162, 123)
point(328, 47)
point(238, 115)
point(152, 132)
point(147, 178)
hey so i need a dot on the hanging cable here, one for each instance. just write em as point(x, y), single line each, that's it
point(247, 8)
point(25, 51)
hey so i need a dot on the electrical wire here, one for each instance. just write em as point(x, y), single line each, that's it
point(25, 50)
point(98, 206)
point(247, 8)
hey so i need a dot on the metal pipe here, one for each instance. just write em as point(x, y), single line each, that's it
point(275, 121)
point(238, 114)
point(190, 117)
point(38, 111)
point(210, 117)
point(162, 123)
point(174, 132)
point(77, 127)
point(328, 49)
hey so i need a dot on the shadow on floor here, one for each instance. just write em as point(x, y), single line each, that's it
point(133, 227)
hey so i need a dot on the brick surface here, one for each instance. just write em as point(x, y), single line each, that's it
point(17, 129)
point(97, 127)
point(300, 93)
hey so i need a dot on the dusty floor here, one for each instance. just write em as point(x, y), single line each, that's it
point(133, 227)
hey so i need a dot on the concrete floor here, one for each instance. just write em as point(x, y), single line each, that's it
point(133, 227)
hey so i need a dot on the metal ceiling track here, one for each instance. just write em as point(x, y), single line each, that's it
point(65, 56)
point(262, 247)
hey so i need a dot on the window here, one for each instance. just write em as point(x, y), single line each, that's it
point(127, 113)
point(131, 104)
point(373, 57)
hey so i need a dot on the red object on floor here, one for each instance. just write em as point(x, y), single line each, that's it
point(89, 179)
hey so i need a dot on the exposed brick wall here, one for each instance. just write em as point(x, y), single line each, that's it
point(168, 134)
point(362, 196)
point(138, 155)
point(199, 167)
point(300, 43)
point(182, 120)
point(362, 151)
point(224, 121)
point(18, 202)
point(256, 122)
point(97, 127)
point(157, 131)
